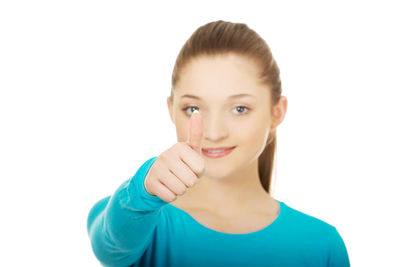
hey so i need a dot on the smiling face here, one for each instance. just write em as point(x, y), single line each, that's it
point(234, 105)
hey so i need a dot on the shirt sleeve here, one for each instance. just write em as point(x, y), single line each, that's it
point(338, 256)
point(121, 226)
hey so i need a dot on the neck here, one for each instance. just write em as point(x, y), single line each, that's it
point(237, 193)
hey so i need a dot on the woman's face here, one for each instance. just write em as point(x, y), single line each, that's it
point(243, 122)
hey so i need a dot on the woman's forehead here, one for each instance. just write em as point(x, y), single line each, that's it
point(231, 97)
point(230, 75)
point(206, 96)
point(220, 65)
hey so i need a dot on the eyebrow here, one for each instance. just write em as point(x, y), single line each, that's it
point(230, 97)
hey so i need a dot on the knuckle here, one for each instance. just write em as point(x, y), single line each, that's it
point(180, 146)
point(201, 166)
point(172, 198)
point(182, 190)
point(161, 158)
point(197, 169)
point(192, 180)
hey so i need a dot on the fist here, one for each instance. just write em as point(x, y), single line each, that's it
point(177, 169)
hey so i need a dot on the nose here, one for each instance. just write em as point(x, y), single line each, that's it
point(215, 129)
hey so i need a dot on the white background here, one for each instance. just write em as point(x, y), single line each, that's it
point(83, 105)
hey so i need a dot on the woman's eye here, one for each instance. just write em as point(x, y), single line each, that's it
point(241, 108)
point(238, 107)
point(185, 109)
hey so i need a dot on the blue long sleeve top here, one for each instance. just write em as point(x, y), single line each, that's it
point(133, 228)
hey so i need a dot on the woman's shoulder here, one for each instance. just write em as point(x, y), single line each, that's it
point(306, 223)
point(313, 232)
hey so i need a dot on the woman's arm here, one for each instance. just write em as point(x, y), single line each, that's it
point(121, 226)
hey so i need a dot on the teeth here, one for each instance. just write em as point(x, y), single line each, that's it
point(215, 151)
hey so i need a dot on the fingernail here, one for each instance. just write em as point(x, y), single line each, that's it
point(196, 111)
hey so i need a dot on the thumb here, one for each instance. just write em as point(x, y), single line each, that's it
point(195, 131)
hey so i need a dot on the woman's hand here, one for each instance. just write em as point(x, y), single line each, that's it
point(179, 167)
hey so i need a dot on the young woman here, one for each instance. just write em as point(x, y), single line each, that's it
point(206, 200)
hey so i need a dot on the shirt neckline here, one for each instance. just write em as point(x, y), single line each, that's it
point(268, 227)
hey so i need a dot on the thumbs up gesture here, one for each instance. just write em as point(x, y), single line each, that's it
point(177, 169)
point(195, 131)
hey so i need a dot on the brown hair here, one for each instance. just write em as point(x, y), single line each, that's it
point(222, 37)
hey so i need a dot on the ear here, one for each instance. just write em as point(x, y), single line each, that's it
point(171, 112)
point(279, 112)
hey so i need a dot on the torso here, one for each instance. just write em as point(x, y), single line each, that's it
point(248, 222)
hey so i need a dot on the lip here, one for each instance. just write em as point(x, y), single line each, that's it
point(218, 148)
point(226, 151)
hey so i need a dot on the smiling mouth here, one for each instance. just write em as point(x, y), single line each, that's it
point(217, 152)
point(217, 149)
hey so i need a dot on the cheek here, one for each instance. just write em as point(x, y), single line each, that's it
point(252, 136)
point(255, 129)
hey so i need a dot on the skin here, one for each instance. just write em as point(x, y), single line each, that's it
point(230, 186)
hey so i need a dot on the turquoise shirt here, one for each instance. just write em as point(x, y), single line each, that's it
point(133, 228)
